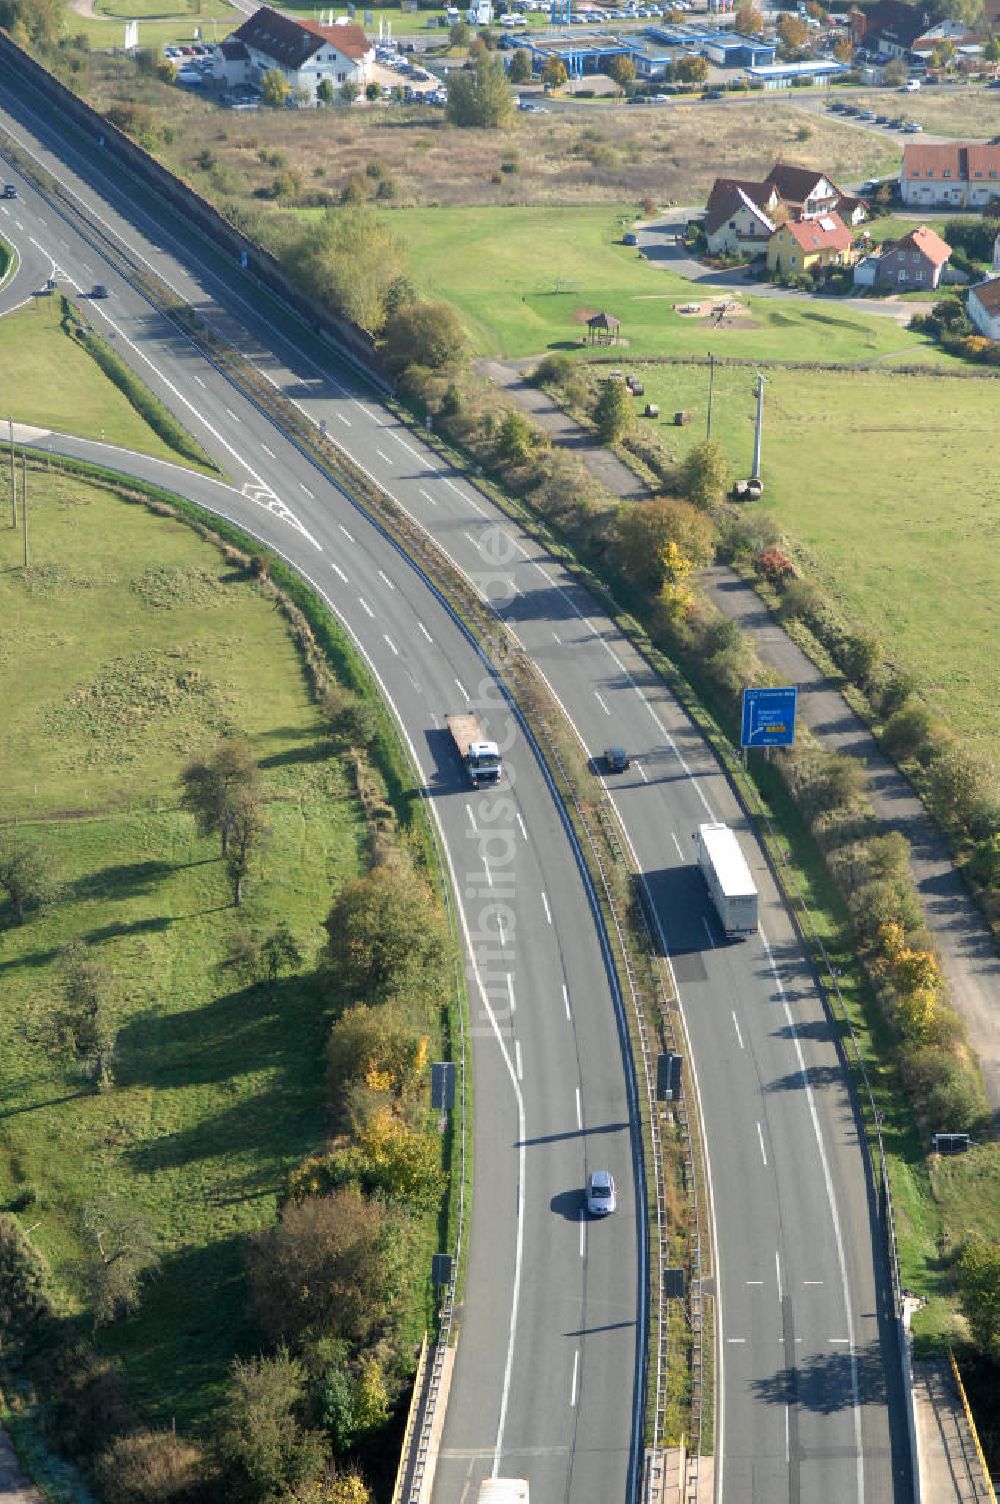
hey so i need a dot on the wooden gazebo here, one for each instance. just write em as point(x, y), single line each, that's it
point(603, 329)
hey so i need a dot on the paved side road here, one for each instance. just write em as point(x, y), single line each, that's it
point(14, 1486)
point(965, 947)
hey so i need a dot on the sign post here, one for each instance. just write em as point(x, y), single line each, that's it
point(768, 718)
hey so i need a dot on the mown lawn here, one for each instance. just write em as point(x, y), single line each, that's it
point(62, 387)
point(885, 478)
point(128, 648)
point(525, 280)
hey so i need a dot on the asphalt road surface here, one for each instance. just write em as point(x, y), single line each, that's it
point(545, 1380)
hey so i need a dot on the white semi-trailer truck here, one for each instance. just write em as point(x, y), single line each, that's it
point(730, 884)
point(504, 1491)
point(480, 756)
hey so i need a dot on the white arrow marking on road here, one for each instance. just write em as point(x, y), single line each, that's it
point(383, 456)
point(346, 421)
point(305, 488)
point(232, 415)
point(462, 690)
point(427, 496)
point(557, 638)
point(267, 451)
point(199, 381)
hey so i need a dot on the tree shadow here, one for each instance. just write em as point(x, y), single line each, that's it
point(824, 1383)
point(816, 1076)
point(321, 751)
point(127, 880)
point(153, 926)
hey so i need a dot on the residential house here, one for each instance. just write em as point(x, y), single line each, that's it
point(950, 175)
point(741, 217)
point(802, 245)
point(888, 28)
point(305, 53)
point(983, 307)
point(916, 261)
point(806, 192)
point(992, 10)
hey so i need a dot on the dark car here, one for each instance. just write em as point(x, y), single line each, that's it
point(9, 191)
point(617, 760)
point(99, 290)
point(712, 94)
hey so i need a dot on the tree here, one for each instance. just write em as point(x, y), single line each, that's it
point(274, 88)
point(622, 70)
point(554, 73)
point(84, 1023)
point(325, 91)
point(460, 34)
point(793, 34)
point(423, 334)
point(896, 72)
point(209, 788)
point(863, 657)
point(749, 21)
point(353, 1399)
point(373, 93)
point(402, 1163)
point(843, 51)
point(263, 1449)
point(124, 1253)
point(27, 875)
point(943, 54)
point(384, 933)
point(645, 529)
point(520, 67)
point(614, 412)
point(350, 90)
point(480, 96)
point(907, 730)
point(149, 1467)
point(690, 70)
point(517, 438)
point(377, 1046)
point(353, 721)
point(705, 474)
point(330, 1267)
point(349, 261)
point(247, 831)
point(991, 52)
point(979, 1292)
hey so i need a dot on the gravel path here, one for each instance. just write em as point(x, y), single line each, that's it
point(965, 946)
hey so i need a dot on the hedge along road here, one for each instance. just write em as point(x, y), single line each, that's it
point(810, 1403)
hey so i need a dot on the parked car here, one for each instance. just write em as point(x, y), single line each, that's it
point(912, 128)
point(897, 123)
point(867, 115)
point(881, 120)
point(601, 1197)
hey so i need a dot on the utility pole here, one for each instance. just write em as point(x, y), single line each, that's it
point(13, 476)
point(24, 503)
point(711, 393)
point(757, 427)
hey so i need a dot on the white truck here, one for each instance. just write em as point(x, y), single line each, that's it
point(480, 756)
point(504, 1491)
point(730, 884)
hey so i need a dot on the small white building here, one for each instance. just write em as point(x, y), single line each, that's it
point(305, 54)
point(983, 307)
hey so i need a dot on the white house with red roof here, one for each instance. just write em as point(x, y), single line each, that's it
point(949, 175)
point(983, 307)
point(303, 52)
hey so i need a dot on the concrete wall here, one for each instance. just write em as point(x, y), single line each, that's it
point(347, 339)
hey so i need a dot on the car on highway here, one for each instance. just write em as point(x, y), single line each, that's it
point(99, 290)
point(601, 1197)
point(9, 190)
point(617, 760)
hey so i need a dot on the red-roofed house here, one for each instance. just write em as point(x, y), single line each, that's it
point(740, 217)
point(915, 261)
point(305, 53)
point(950, 175)
point(802, 244)
point(983, 307)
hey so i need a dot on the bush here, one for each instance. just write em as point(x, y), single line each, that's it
point(385, 932)
point(24, 1304)
point(800, 601)
point(907, 731)
point(424, 334)
point(376, 1046)
point(262, 1448)
point(91, 1408)
point(150, 1467)
point(946, 1091)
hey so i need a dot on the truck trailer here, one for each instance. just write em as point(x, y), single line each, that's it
point(480, 756)
point(730, 885)
point(504, 1491)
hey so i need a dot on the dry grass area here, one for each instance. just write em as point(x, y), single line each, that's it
point(583, 156)
point(966, 113)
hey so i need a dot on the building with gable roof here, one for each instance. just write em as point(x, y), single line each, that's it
point(304, 53)
point(888, 28)
point(951, 175)
point(741, 217)
point(983, 307)
point(801, 245)
point(913, 262)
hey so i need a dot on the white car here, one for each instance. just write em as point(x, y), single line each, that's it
point(601, 1197)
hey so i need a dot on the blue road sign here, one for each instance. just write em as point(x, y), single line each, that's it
point(768, 717)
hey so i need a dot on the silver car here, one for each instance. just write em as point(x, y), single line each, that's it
point(601, 1197)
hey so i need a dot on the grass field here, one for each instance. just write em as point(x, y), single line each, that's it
point(61, 387)
point(121, 663)
point(505, 281)
point(884, 477)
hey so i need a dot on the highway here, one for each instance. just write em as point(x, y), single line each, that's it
point(810, 1406)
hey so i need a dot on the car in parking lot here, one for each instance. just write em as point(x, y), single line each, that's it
point(9, 190)
point(617, 760)
point(912, 127)
point(881, 120)
point(896, 123)
point(602, 1199)
point(712, 94)
point(867, 115)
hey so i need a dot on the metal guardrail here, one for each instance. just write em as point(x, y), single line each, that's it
point(987, 1491)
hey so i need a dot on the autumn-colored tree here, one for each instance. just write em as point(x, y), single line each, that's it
point(274, 88)
point(676, 596)
point(614, 412)
point(622, 69)
point(404, 1164)
point(705, 474)
point(554, 73)
point(690, 70)
point(644, 529)
point(793, 33)
point(376, 1046)
point(385, 932)
point(749, 21)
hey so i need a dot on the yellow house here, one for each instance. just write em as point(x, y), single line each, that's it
point(801, 244)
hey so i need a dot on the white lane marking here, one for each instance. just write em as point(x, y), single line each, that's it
point(472, 818)
point(786, 1433)
point(583, 1233)
point(232, 415)
point(642, 772)
point(601, 701)
point(502, 933)
point(427, 496)
point(383, 576)
point(736, 1339)
point(489, 874)
point(835, 1215)
point(462, 690)
point(365, 606)
point(576, 1375)
point(545, 905)
point(557, 638)
point(840, 1341)
point(510, 993)
point(425, 631)
point(202, 384)
point(614, 656)
point(470, 538)
point(305, 488)
point(680, 849)
point(346, 421)
point(763, 1151)
point(708, 931)
point(345, 532)
point(392, 646)
point(383, 456)
point(579, 1109)
point(736, 1026)
point(338, 571)
point(812, 1281)
point(566, 1002)
point(268, 451)
point(457, 489)
point(755, 1281)
point(517, 1059)
point(777, 1268)
point(521, 824)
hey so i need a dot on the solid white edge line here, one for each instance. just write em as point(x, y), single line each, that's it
point(760, 1140)
point(576, 1375)
point(579, 1110)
